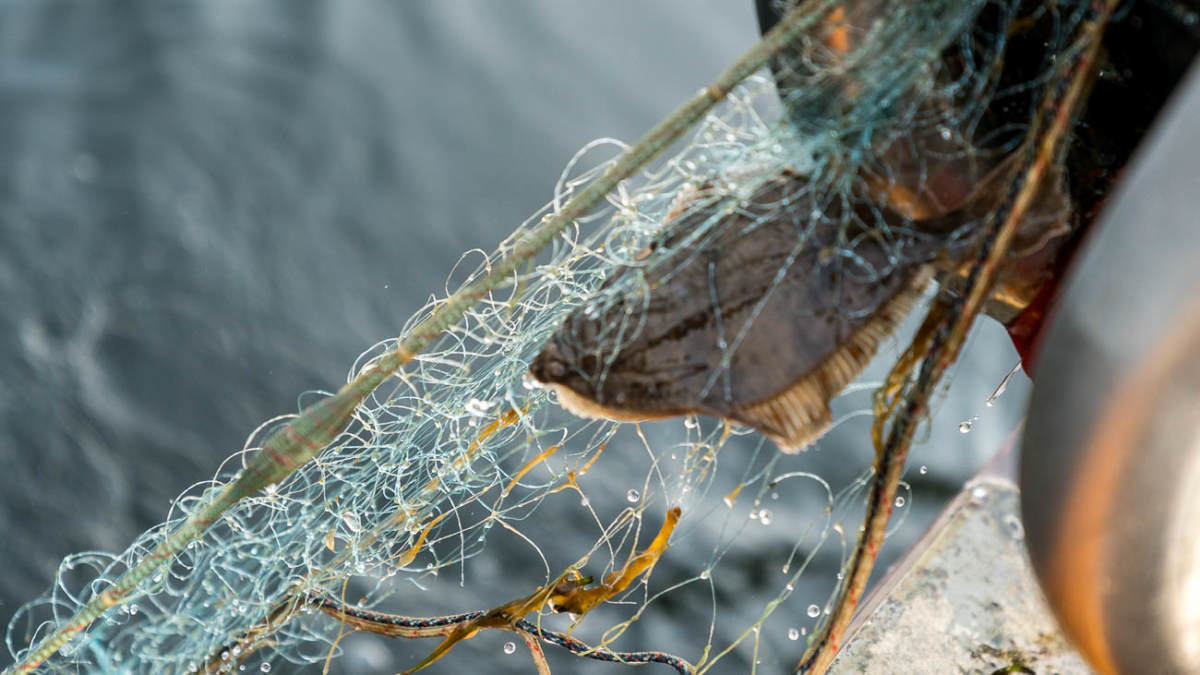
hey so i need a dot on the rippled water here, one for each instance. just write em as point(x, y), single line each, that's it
point(207, 208)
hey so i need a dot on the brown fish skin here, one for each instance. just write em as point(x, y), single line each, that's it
point(778, 304)
point(762, 320)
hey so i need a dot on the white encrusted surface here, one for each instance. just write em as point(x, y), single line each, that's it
point(964, 601)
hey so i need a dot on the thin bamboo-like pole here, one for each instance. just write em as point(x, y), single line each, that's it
point(945, 338)
point(300, 440)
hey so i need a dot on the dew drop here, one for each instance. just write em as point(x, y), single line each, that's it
point(945, 133)
point(1015, 529)
point(764, 516)
point(632, 496)
point(964, 427)
point(814, 611)
point(478, 408)
point(899, 502)
point(924, 469)
point(793, 633)
point(265, 667)
point(754, 514)
point(979, 494)
point(706, 574)
point(583, 501)
point(133, 609)
point(528, 382)
point(690, 422)
point(510, 647)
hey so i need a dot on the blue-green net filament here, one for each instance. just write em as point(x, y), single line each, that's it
point(421, 413)
point(301, 439)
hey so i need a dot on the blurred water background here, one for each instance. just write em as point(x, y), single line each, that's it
point(209, 207)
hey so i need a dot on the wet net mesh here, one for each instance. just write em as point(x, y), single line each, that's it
point(894, 113)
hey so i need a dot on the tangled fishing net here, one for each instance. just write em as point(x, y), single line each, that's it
point(889, 106)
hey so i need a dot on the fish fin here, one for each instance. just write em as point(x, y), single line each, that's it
point(796, 417)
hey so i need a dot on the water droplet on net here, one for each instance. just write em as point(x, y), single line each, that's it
point(793, 633)
point(945, 133)
point(705, 574)
point(899, 502)
point(478, 408)
point(764, 517)
point(965, 426)
point(924, 469)
point(690, 422)
point(813, 611)
point(510, 647)
point(632, 496)
point(1015, 529)
point(133, 609)
point(265, 667)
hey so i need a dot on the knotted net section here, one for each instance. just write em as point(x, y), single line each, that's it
point(461, 498)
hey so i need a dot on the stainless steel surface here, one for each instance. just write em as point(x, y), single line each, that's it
point(1111, 450)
